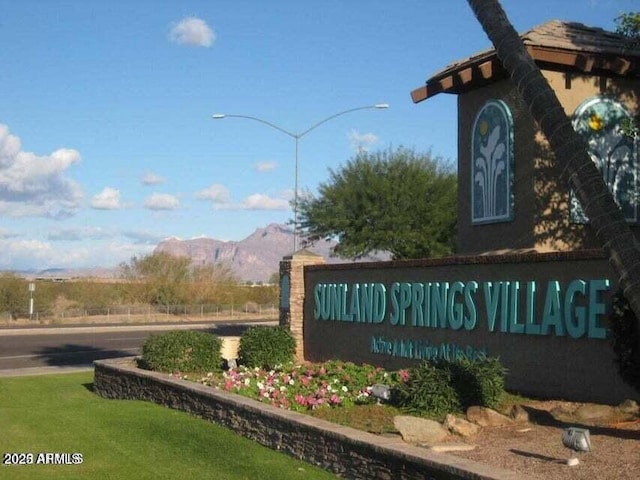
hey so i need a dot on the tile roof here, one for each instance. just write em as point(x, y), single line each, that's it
point(555, 44)
point(578, 37)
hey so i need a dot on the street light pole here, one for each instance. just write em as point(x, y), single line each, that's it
point(297, 137)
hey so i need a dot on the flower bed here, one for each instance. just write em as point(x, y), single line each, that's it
point(303, 387)
point(348, 452)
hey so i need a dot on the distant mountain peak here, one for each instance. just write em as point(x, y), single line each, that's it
point(255, 258)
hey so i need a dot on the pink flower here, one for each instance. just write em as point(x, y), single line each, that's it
point(335, 399)
point(404, 375)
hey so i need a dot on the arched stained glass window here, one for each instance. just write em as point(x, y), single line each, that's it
point(492, 164)
point(598, 120)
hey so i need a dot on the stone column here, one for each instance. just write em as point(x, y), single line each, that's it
point(292, 294)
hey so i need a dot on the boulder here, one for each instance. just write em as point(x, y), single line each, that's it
point(518, 414)
point(630, 406)
point(419, 430)
point(460, 426)
point(485, 417)
point(590, 411)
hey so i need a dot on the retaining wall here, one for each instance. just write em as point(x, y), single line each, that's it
point(345, 451)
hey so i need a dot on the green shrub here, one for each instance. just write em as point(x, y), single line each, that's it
point(183, 351)
point(428, 391)
point(438, 387)
point(478, 382)
point(266, 347)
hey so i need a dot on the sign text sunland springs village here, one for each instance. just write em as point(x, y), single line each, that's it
point(572, 310)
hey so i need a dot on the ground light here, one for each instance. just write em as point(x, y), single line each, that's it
point(577, 440)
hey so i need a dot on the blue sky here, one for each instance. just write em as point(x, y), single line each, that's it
point(107, 145)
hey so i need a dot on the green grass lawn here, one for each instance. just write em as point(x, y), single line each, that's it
point(121, 439)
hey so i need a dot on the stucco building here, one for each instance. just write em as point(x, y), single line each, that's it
point(510, 193)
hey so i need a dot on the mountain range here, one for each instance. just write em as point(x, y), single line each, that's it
point(254, 259)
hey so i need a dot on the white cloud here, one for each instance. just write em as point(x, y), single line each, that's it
point(259, 201)
point(361, 141)
point(221, 199)
point(32, 185)
point(192, 31)
point(107, 199)
point(217, 193)
point(265, 166)
point(161, 201)
point(143, 238)
point(24, 253)
point(151, 178)
point(79, 234)
point(4, 234)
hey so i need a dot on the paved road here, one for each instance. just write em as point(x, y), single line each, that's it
point(44, 349)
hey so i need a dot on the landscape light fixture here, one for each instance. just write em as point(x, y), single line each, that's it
point(381, 392)
point(297, 137)
point(577, 440)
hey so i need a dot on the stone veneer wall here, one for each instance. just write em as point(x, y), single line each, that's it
point(294, 316)
point(345, 451)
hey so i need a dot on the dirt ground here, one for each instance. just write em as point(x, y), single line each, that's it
point(534, 449)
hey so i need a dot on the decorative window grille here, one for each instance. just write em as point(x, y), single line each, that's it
point(492, 164)
point(599, 121)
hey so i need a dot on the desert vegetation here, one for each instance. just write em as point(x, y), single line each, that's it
point(157, 281)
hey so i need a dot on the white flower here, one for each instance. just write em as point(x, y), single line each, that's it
point(247, 382)
point(260, 385)
point(344, 388)
point(292, 382)
point(283, 388)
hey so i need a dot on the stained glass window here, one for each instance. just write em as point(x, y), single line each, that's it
point(492, 164)
point(598, 120)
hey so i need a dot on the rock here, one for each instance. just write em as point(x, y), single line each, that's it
point(591, 411)
point(519, 414)
point(419, 430)
point(485, 417)
point(630, 407)
point(460, 426)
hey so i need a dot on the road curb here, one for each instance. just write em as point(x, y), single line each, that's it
point(28, 372)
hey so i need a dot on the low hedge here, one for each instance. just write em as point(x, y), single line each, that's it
point(182, 351)
point(266, 347)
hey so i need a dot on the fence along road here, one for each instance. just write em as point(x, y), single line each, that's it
point(143, 314)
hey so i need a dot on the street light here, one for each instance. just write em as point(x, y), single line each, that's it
point(297, 137)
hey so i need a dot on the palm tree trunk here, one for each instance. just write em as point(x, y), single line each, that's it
point(579, 170)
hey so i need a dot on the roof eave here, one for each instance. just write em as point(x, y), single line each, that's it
point(488, 68)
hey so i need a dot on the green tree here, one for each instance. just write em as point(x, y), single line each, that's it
point(398, 201)
point(628, 24)
point(165, 276)
point(209, 281)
